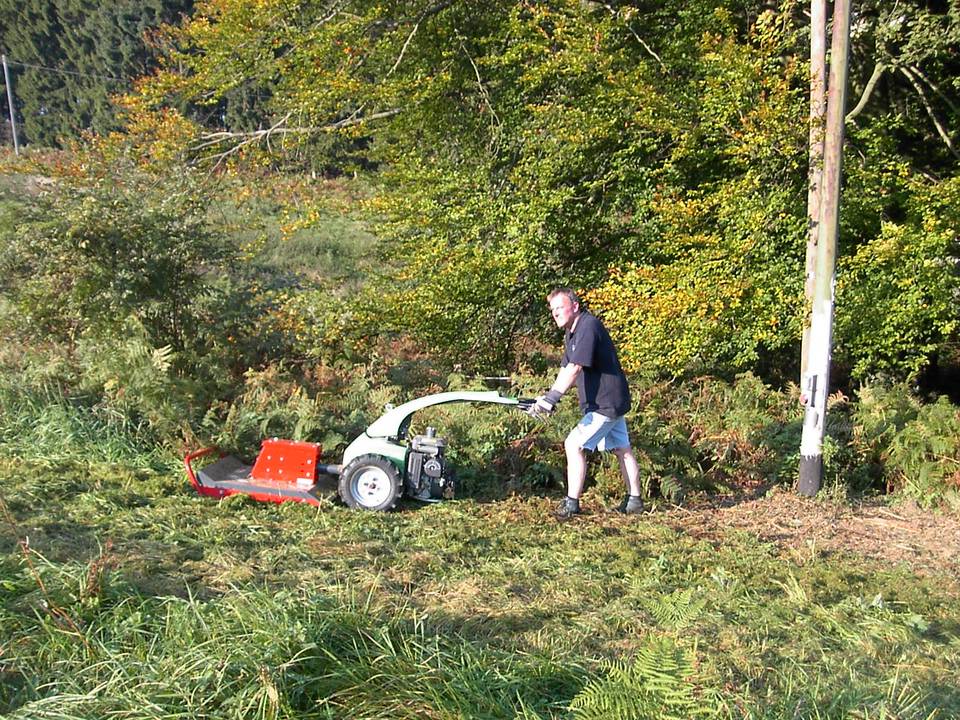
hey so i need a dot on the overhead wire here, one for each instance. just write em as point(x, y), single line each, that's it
point(62, 71)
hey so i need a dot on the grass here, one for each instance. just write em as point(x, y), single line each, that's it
point(124, 594)
point(136, 598)
point(284, 240)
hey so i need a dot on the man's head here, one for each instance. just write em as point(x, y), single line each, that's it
point(564, 307)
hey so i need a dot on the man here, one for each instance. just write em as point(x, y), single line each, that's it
point(590, 361)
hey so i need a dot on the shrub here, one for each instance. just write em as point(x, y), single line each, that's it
point(91, 257)
point(122, 289)
point(924, 456)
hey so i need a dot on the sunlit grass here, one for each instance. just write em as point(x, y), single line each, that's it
point(137, 598)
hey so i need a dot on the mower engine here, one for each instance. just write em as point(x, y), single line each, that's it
point(428, 477)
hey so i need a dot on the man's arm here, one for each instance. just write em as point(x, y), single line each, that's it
point(565, 380)
point(566, 377)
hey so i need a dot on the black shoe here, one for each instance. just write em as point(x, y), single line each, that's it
point(631, 505)
point(567, 508)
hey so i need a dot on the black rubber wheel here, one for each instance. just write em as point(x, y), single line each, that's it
point(370, 482)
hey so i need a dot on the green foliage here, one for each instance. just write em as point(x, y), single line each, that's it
point(880, 414)
point(710, 434)
point(120, 289)
point(657, 685)
point(896, 294)
point(924, 456)
point(86, 258)
point(678, 609)
point(653, 156)
point(69, 57)
point(272, 403)
point(719, 288)
point(545, 182)
point(912, 48)
point(135, 378)
point(44, 423)
point(560, 110)
point(171, 657)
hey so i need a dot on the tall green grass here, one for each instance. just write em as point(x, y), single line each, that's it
point(135, 598)
point(43, 423)
point(262, 653)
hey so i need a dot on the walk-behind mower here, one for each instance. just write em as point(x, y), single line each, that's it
point(377, 468)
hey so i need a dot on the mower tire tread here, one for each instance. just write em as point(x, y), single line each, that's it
point(370, 482)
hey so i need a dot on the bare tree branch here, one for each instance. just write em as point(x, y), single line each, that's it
point(936, 88)
point(403, 50)
point(929, 108)
point(388, 25)
point(867, 91)
point(494, 119)
point(246, 139)
point(639, 39)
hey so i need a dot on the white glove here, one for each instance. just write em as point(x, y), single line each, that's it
point(545, 404)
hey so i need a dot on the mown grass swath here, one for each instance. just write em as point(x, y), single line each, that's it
point(136, 598)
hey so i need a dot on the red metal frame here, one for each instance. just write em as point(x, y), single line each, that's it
point(188, 463)
point(284, 465)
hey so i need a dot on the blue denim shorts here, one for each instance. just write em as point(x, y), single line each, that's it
point(599, 432)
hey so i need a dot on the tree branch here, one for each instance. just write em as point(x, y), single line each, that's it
point(867, 91)
point(936, 88)
point(640, 40)
point(246, 139)
point(495, 120)
point(403, 50)
point(929, 108)
point(388, 25)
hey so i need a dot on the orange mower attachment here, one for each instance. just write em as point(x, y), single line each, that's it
point(284, 470)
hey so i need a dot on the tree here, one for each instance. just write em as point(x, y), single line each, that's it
point(654, 153)
point(71, 56)
point(907, 54)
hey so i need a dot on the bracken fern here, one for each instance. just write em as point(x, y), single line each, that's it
point(658, 685)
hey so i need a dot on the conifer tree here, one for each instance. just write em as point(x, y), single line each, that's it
point(68, 57)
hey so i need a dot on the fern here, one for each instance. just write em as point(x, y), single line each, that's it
point(678, 609)
point(658, 685)
point(925, 455)
point(672, 488)
point(134, 378)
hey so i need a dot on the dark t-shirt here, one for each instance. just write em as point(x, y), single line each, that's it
point(602, 386)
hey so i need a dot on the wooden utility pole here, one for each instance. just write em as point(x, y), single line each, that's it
point(13, 121)
point(818, 112)
point(816, 380)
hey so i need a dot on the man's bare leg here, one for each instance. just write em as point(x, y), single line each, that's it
point(576, 468)
point(629, 469)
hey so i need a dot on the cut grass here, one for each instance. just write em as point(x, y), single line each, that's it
point(123, 593)
point(136, 598)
